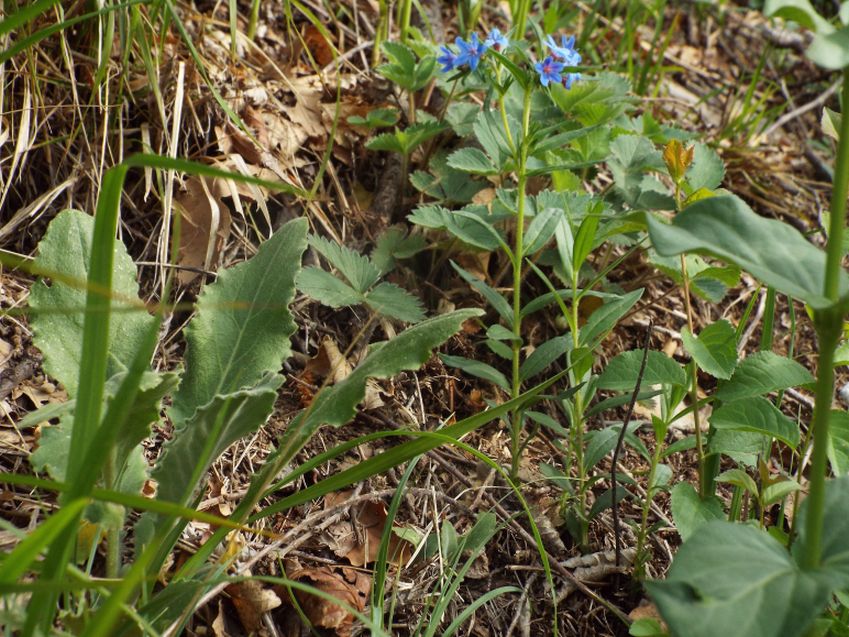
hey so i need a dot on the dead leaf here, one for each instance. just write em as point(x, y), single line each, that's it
point(329, 362)
point(205, 225)
point(252, 600)
point(345, 584)
point(320, 49)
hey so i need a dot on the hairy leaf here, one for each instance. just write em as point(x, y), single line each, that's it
point(242, 328)
point(390, 300)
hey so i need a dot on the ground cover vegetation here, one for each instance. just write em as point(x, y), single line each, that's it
point(406, 318)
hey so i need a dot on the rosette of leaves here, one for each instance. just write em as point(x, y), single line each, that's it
point(356, 282)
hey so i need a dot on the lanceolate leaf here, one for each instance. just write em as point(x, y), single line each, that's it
point(774, 252)
point(738, 581)
point(762, 373)
point(242, 327)
point(58, 309)
point(621, 372)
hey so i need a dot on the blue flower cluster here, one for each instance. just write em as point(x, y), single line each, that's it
point(550, 69)
point(471, 52)
point(563, 55)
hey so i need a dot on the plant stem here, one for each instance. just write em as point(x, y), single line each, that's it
point(829, 324)
point(521, 18)
point(406, 12)
point(518, 258)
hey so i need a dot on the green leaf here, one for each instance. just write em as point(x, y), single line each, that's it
point(830, 50)
point(471, 232)
point(774, 252)
point(838, 442)
point(585, 240)
point(689, 511)
point(215, 426)
point(830, 121)
point(242, 327)
point(756, 414)
point(743, 446)
point(777, 491)
point(761, 373)
point(394, 244)
point(541, 229)
point(835, 530)
point(707, 169)
point(715, 348)
point(621, 372)
point(478, 369)
point(393, 301)
point(739, 478)
point(357, 269)
point(326, 288)
point(801, 11)
point(390, 142)
point(605, 318)
point(601, 442)
point(605, 501)
point(495, 299)
point(737, 581)
point(59, 309)
point(472, 160)
point(543, 356)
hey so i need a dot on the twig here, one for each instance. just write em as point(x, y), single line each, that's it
point(619, 441)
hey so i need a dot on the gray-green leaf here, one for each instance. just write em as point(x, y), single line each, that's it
point(621, 372)
point(761, 373)
point(714, 349)
point(758, 415)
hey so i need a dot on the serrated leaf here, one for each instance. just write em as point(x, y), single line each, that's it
point(706, 171)
point(761, 373)
point(774, 252)
point(326, 288)
point(621, 372)
point(714, 349)
point(689, 511)
point(471, 160)
point(389, 142)
point(758, 415)
point(216, 425)
point(737, 581)
point(394, 244)
point(357, 269)
point(478, 369)
point(58, 309)
point(242, 327)
point(390, 300)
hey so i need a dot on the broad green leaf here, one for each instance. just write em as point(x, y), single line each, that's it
point(326, 288)
point(621, 372)
point(214, 427)
point(393, 244)
point(607, 316)
point(756, 414)
point(393, 301)
point(359, 271)
point(761, 373)
point(490, 133)
point(774, 252)
point(835, 530)
point(838, 443)
point(737, 581)
point(714, 349)
point(58, 308)
point(478, 369)
point(242, 327)
point(601, 442)
point(389, 142)
point(777, 491)
point(471, 232)
point(543, 356)
point(707, 169)
point(501, 333)
point(690, 511)
point(830, 50)
point(471, 160)
point(801, 11)
point(743, 446)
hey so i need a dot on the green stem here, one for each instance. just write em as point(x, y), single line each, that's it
point(518, 258)
point(829, 325)
point(521, 18)
point(406, 13)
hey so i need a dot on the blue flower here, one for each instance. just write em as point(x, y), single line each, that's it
point(566, 51)
point(570, 79)
point(448, 59)
point(549, 71)
point(471, 52)
point(496, 40)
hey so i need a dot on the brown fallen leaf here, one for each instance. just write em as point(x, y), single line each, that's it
point(252, 599)
point(329, 362)
point(345, 584)
point(205, 225)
